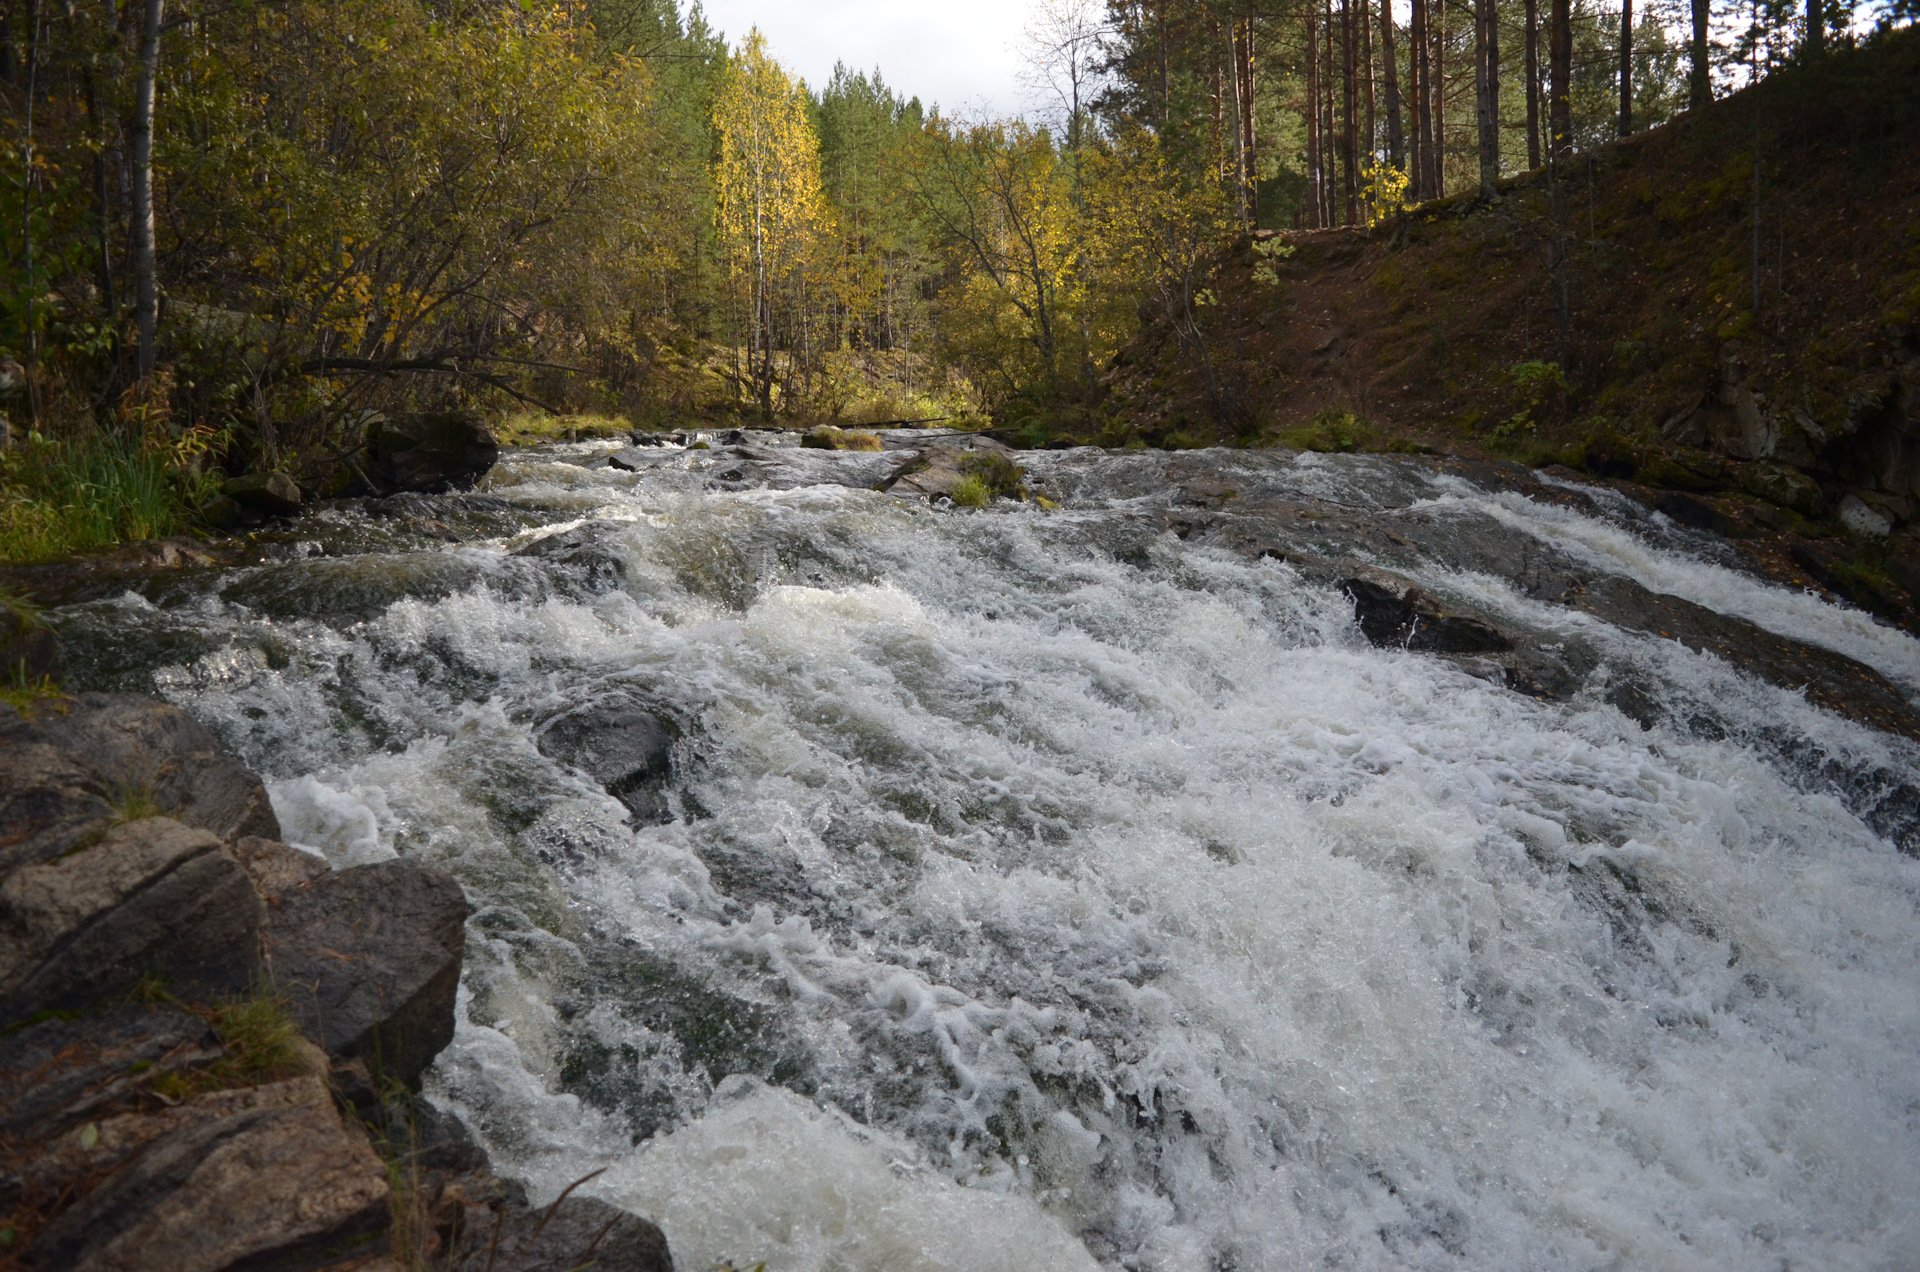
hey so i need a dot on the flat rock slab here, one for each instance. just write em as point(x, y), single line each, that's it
point(578, 1232)
point(152, 898)
point(267, 1178)
point(369, 963)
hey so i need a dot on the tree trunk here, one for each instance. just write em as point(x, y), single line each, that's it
point(1350, 112)
point(1315, 155)
point(1369, 128)
point(1329, 134)
point(1439, 154)
point(1533, 85)
point(147, 300)
point(1700, 74)
point(1626, 66)
point(1396, 136)
point(1420, 101)
point(1249, 137)
point(1487, 91)
point(1560, 87)
point(1816, 28)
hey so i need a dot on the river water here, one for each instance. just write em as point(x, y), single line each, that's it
point(1046, 890)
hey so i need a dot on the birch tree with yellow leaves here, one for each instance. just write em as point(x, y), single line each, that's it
point(774, 224)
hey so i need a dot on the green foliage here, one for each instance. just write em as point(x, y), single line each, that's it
point(530, 428)
point(1538, 385)
point(971, 492)
point(997, 471)
point(260, 1043)
point(27, 696)
point(94, 490)
point(1332, 430)
point(1383, 191)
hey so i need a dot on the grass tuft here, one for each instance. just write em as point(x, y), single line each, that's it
point(971, 492)
point(92, 490)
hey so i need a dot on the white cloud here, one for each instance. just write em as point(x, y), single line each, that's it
point(963, 56)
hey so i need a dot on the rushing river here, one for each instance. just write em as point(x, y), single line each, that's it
point(1045, 890)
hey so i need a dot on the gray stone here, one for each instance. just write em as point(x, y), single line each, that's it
point(276, 868)
point(430, 453)
point(59, 1072)
point(263, 495)
point(267, 1178)
point(69, 770)
point(1863, 519)
point(623, 741)
point(576, 1232)
point(1394, 614)
point(152, 898)
point(1786, 487)
point(369, 963)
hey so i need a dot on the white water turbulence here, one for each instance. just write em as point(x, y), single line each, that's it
point(1044, 891)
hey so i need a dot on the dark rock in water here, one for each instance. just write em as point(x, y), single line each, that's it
point(592, 553)
point(625, 743)
point(576, 1232)
point(630, 461)
point(642, 437)
point(262, 1178)
point(1395, 614)
point(429, 453)
point(370, 961)
point(259, 496)
point(29, 651)
point(70, 768)
point(152, 898)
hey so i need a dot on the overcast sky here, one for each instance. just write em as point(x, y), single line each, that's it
point(963, 55)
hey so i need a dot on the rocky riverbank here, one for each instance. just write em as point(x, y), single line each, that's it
point(213, 1044)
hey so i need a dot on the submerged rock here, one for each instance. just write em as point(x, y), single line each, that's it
point(626, 743)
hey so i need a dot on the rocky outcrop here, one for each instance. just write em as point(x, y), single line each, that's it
point(78, 765)
point(150, 899)
point(164, 1112)
point(369, 962)
point(429, 453)
point(259, 497)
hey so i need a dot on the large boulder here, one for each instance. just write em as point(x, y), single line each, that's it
point(1394, 614)
point(369, 962)
point(150, 899)
point(429, 452)
point(268, 1177)
point(576, 1232)
point(75, 768)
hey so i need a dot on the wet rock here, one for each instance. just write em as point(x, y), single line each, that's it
point(260, 496)
point(153, 898)
point(1697, 514)
point(595, 554)
point(626, 743)
point(271, 1178)
point(1394, 614)
point(632, 460)
point(429, 452)
point(369, 960)
point(69, 769)
point(933, 472)
point(574, 1232)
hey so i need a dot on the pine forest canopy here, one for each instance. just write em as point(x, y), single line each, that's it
point(253, 220)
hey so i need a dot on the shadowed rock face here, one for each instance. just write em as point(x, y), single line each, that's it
point(80, 764)
point(154, 898)
point(429, 453)
point(369, 960)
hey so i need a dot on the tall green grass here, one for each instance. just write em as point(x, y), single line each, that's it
point(64, 495)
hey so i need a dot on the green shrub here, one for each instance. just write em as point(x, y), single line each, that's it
point(996, 471)
point(971, 492)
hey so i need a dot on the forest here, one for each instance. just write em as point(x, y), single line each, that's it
point(237, 231)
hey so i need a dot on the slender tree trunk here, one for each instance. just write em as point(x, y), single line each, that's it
point(1487, 91)
point(1350, 112)
point(1816, 28)
point(1626, 66)
point(1316, 156)
point(1420, 102)
point(1329, 131)
point(1439, 25)
point(1396, 135)
point(147, 301)
point(1560, 89)
point(1249, 134)
point(28, 184)
point(1370, 131)
point(1533, 85)
point(1700, 73)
